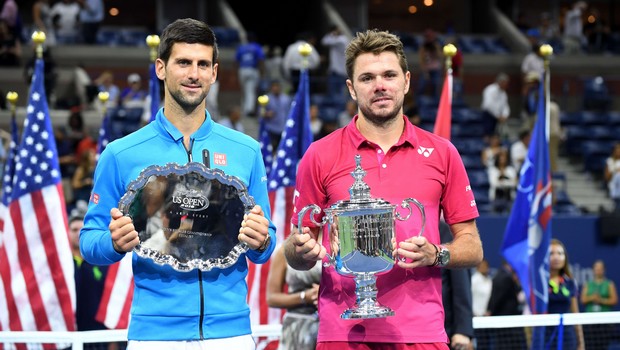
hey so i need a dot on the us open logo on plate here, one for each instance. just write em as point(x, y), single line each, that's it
point(192, 201)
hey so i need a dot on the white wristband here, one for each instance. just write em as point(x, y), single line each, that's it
point(302, 296)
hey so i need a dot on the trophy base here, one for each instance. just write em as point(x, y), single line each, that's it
point(377, 311)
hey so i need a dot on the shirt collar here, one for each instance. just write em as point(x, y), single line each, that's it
point(175, 134)
point(407, 137)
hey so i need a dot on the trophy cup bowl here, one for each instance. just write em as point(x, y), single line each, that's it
point(361, 230)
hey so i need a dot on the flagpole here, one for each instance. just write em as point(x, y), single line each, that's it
point(449, 51)
point(546, 51)
point(11, 98)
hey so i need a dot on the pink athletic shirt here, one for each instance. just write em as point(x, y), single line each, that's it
point(421, 165)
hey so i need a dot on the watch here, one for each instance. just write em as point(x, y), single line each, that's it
point(443, 256)
point(265, 244)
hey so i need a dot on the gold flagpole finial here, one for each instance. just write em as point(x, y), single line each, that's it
point(103, 97)
point(449, 51)
point(38, 38)
point(262, 102)
point(546, 51)
point(11, 98)
point(305, 50)
point(153, 42)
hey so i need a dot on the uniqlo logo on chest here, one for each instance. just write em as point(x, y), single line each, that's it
point(219, 159)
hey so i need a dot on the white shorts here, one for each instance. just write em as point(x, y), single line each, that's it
point(243, 342)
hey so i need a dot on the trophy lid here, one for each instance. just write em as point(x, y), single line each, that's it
point(359, 192)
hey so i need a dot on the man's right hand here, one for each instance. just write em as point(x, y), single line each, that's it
point(306, 248)
point(124, 234)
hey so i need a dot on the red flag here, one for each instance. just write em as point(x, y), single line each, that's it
point(36, 263)
point(117, 295)
point(443, 123)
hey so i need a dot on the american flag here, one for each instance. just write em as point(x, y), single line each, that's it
point(296, 139)
point(265, 146)
point(117, 295)
point(443, 123)
point(104, 133)
point(7, 183)
point(528, 232)
point(153, 91)
point(36, 263)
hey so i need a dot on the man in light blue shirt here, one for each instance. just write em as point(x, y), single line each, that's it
point(91, 16)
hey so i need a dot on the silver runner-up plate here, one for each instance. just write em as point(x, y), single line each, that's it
point(188, 216)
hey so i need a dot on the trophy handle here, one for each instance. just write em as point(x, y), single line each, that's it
point(405, 205)
point(315, 210)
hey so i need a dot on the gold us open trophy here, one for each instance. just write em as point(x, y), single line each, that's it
point(361, 230)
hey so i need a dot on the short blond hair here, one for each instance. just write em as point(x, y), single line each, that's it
point(374, 41)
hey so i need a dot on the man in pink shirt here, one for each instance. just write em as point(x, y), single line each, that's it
point(401, 161)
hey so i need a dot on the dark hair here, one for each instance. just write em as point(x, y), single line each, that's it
point(186, 30)
point(376, 42)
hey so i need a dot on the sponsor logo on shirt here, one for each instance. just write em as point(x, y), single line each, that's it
point(425, 151)
point(219, 159)
point(467, 188)
point(472, 203)
point(94, 198)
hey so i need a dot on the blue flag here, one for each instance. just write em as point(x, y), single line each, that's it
point(296, 138)
point(153, 91)
point(528, 233)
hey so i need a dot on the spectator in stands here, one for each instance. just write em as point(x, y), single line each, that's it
point(481, 287)
point(65, 19)
point(300, 323)
point(345, 116)
point(133, 95)
point(573, 28)
point(276, 112)
point(336, 41)
point(293, 61)
point(213, 103)
point(599, 295)
point(273, 69)
point(612, 175)
point(492, 150)
point(89, 283)
point(502, 183)
point(529, 94)
point(562, 298)
point(10, 13)
point(533, 61)
point(233, 120)
point(82, 181)
point(105, 82)
point(5, 141)
point(518, 150)
point(597, 32)
point(495, 107)
point(91, 15)
point(10, 47)
point(249, 59)
point(316, 123)
point(42, 17)
point(549, 30)
point(457, 300)
point(506, 298)
point(431, 64)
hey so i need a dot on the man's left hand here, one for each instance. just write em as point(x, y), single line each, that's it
point(254, 228)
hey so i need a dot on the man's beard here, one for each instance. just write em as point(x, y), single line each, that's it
point(381, 121)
